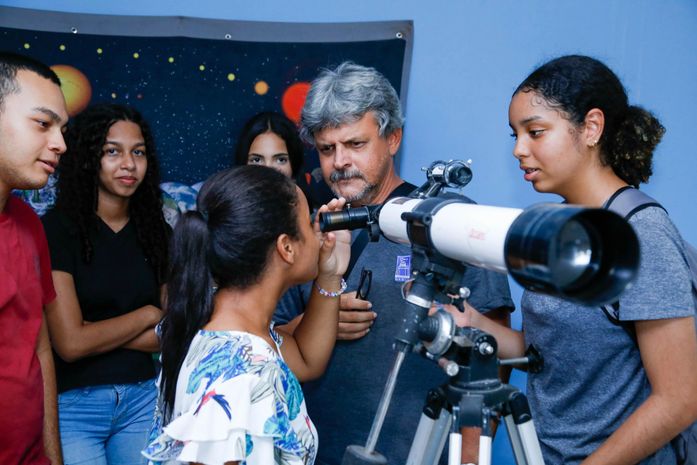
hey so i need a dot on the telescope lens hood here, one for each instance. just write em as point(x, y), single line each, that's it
point(586, 255)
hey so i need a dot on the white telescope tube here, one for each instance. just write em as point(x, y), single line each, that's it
point(471, 233)
point(587, 255)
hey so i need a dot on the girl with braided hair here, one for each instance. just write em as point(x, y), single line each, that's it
point(108, 241)
point(611, 392)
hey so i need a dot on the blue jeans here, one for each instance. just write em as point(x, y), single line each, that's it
point(106, 425)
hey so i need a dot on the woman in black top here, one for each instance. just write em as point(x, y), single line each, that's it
point(108, 242)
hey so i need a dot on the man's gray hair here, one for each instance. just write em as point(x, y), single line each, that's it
point(343, 95)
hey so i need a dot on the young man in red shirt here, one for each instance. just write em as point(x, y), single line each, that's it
point(32, 117)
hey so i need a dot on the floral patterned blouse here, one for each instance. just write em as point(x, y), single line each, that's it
point(236, 400)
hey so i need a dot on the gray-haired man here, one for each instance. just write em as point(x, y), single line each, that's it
point(353, 117)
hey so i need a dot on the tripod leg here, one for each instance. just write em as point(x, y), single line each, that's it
point(421, 439)
point(485, 440)
point(439, 436)
point(522, 420)
point(454, 449)
point(429, 440)
point(514, 438)
point(431, 432)
point(485, 450)
point(455, 439)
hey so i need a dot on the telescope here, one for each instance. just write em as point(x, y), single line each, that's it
point(586, 255)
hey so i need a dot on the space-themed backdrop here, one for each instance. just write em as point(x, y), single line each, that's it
point(195, 92)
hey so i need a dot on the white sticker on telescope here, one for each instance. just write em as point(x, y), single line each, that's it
point(402, 271)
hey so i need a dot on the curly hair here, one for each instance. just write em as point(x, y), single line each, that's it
point(574, 85)
point(78, 182)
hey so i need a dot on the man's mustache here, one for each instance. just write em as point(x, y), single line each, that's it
point(337, 176)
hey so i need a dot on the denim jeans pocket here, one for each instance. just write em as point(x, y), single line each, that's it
point(71, 397)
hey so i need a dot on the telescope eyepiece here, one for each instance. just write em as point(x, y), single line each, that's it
point(348, 218)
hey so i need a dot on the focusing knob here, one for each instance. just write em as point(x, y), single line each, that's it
point(485, 348)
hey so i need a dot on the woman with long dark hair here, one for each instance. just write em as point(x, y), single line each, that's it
point(270, 139)
point(229, 390)
point(612, 391)
point(108, 241)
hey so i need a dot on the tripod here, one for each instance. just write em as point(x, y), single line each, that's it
point(472, 398)
point(474, 394)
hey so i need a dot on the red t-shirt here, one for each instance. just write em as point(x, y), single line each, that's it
point(25, 287)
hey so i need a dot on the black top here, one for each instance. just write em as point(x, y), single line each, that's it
point(117, 281)
point(403, 190)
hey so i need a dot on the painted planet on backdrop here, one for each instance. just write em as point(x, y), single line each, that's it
point(293, 100)
point(76, 88)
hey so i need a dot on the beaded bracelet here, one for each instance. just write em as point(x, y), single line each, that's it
point(327, 293)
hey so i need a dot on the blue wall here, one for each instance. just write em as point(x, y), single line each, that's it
point(468, 57)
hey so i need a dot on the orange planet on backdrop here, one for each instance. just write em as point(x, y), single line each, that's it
point(261, 87)
point(75, 86)
point(293, 100)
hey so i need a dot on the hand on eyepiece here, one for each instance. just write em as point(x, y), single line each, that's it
point(336, 246)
